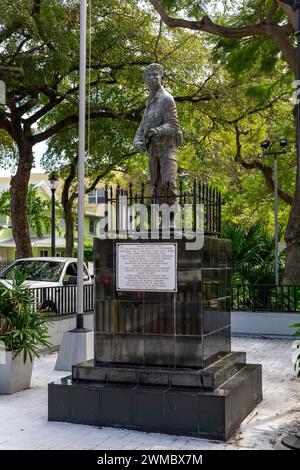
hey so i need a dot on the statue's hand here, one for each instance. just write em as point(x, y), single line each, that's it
point(153, 132)
point(150, 133)
point(140, 147)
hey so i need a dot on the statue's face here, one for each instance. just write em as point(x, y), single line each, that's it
point(153, 79)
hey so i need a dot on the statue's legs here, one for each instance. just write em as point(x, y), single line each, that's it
point(163, 171)
point(168, 172)
point(155, 174)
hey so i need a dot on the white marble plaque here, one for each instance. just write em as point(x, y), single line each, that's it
point(148, 267)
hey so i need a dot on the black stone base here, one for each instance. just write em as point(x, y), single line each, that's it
point(210, 378)
point(209, 414)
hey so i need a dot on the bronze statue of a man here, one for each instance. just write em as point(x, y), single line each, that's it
point(159, 135)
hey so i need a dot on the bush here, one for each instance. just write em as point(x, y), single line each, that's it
point(22, 329)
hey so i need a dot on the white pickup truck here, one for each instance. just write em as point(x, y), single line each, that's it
point(48, 277)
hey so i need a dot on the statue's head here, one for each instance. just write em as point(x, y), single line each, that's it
point(153, 74)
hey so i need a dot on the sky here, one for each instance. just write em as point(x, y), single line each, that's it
point(39, 150)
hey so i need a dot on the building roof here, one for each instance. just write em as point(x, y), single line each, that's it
point(36, 242)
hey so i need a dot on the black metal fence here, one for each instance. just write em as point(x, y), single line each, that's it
point(257, 298)
point(265, 297)
point(189, 192)
point(62, 300)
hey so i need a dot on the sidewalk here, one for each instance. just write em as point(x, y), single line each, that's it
point(24, 422)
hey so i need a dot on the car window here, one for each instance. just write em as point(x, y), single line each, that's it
point(48, 271)
point(72, 269)
point(71, 273)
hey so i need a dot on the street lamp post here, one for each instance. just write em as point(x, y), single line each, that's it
point(266, 144)
point(53, 186)
point(292, 441)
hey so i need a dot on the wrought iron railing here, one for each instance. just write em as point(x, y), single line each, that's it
point(265, 297)
point(62, 300)
point(244, 297)
point(189, 192)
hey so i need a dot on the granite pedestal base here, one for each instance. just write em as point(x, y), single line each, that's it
point(163, 360)
point(202, 412)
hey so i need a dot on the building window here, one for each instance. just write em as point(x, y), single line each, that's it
point(92, 226)
point(92, 197)
point(44, 253)
point(100, 196)
point(97, 196)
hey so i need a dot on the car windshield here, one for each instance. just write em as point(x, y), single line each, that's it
point(48, 271)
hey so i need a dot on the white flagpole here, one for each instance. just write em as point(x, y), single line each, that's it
point(82, 111)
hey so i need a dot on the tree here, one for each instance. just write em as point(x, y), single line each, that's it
point(37, 209)
point(104, 156)
point(42, 37)
point(272, 22)
point(124, 89)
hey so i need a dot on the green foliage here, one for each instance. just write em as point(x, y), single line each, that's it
point(22, 329)
point(88, 251)
point(38, 210)
point(227, 80)
point(5, 203)
point(296, 325)
point(253, 252)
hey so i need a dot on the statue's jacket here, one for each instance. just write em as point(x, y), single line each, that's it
point(160, 114)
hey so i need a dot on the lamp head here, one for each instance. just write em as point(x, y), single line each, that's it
point(265, 144)
point(283, 143)
point(53, 181)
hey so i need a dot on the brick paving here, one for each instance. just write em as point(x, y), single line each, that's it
point(24, 422)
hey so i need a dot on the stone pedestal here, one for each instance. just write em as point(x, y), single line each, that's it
point(163, 360)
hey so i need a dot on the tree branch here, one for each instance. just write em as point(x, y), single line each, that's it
point(11, 72)
point(271, 12)
point(289, 13)
point(276, 32)
point(68, 181)
point(107, 170)
point(260, 9)
point(255, 110)
point(157, 41)
point(26, 107)
point(44, 110)
point(206, 25)
point(281, 39)
point(257, 164)
point(72, 120)
point(193, 98)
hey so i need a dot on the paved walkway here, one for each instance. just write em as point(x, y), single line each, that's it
point(24, 422)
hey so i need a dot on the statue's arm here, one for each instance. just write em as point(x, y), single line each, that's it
point(138, 142)
point(170, 126)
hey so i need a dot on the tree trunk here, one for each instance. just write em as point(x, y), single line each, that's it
point(69, 229)
point(292, 238)
point(292, 234)
point(18, 192)
point(67, 204)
